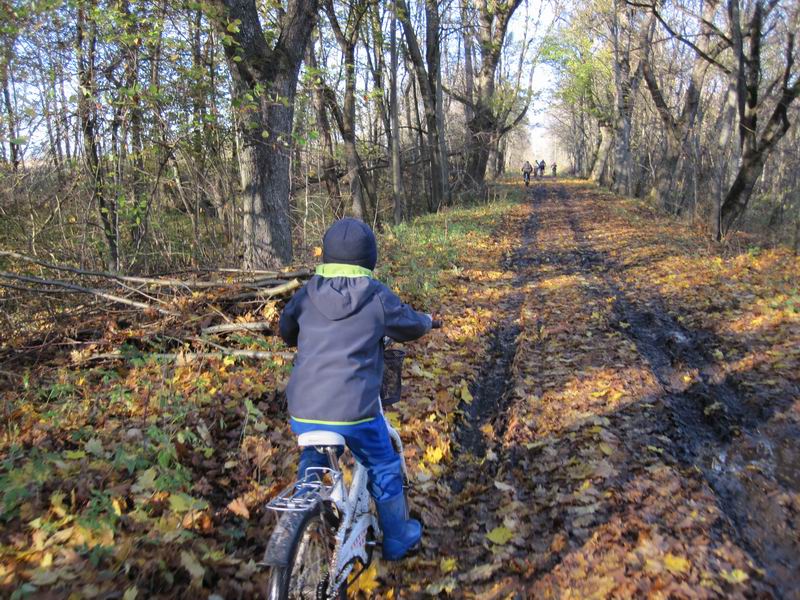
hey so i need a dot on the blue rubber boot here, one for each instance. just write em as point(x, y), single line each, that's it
point(399, 533)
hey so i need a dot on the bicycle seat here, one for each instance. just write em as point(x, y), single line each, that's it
point(320, 438)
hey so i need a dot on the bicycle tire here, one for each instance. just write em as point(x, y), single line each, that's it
point(280, 582)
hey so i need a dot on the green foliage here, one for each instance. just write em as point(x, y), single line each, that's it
point(584, 67)
point(23, 481)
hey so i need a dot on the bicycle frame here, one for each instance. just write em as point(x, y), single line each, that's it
point(353, 506)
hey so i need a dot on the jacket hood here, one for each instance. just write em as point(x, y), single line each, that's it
point(339, 297)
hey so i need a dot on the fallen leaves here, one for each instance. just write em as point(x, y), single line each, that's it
point(193, 566)
point(499, 535)
point(577, 491)
point(735, 576)
point(676, 564)
point(238, 507)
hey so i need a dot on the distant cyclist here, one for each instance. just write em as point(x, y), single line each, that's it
point(527, 169)
point(554, 170)
point(541, 168)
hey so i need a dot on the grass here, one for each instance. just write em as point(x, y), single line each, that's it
point(413, 255)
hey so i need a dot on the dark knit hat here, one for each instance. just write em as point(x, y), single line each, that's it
point(351, 242)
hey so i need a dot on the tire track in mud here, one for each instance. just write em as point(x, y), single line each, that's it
point(478, 459)
point(491, 386)
point(709, 417)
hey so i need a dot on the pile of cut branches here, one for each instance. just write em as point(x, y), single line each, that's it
point(49, 308)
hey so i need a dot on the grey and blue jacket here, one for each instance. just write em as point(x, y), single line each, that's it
point(338, 321)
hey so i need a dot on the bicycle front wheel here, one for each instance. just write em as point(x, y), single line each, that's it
point(311, 540)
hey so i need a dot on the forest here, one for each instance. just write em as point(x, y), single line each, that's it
point(612, 406)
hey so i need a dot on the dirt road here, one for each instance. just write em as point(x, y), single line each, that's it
point(623, 439)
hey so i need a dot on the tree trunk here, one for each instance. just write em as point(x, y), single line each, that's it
point(493, 20)
point(755, 149)
point(13, 145)
point(625, 83)
point(398, 187)
point(85, 45)
point(599, 168)
point(469, 69)
point(427, 79)
point(346, 116)
point(348, 131)
point(265, 82)
point(752, 163)
point(434, 60)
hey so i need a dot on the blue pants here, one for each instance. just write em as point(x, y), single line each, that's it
point(370, 444)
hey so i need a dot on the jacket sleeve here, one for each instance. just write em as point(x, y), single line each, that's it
point(402, 323)
point(289, 327)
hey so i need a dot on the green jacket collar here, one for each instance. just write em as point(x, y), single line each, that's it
point(342, 270)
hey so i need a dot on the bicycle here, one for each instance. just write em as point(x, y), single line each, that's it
point(327, 528)
point(526, 176)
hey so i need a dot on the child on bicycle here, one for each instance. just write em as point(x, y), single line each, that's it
point(527, 168)
point(338, 321)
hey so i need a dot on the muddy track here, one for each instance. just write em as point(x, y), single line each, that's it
point(711, 420)
point(491, 387)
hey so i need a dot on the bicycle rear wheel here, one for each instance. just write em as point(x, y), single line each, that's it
point(311, 541)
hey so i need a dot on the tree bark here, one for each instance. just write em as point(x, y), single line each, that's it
point(347, 39)
point(427, 78)
point(493, 20)
point(469, 69)
point(398, 187)
point(433, 57)
point(265, 82)
point(752, 164)
point(677, 128)
point(755, 148)
point(625, 83)
point(5, 76)
point(599, 169)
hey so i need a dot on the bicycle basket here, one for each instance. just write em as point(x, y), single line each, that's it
point(392, 371)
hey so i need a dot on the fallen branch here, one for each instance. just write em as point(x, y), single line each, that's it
point(268, 293)
point(236, 327)
point(277, 274)
point(264, 277)
point(85, 290)
point(191, 356)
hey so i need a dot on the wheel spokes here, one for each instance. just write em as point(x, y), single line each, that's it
point(312, 563)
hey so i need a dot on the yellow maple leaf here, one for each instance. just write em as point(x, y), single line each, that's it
point(735, 576)
point(394, 419)
point(434, 454)
point(192, 565)
point(367, 582)
point(130, 593)
point(676, 564)
point(447, 565)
